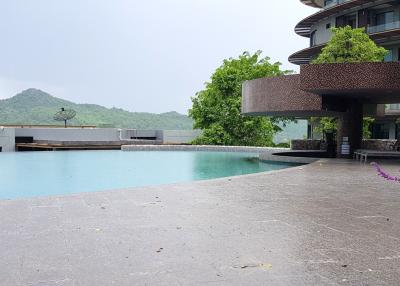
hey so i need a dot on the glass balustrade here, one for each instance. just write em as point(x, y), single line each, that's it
point(383, 27)
point(331, 3)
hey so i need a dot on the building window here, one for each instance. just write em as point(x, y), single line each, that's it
point(351, 20)
point(384, 18)
point(393, 107)
point(347, 20)
point(397, 131)
point(313, 38)
point(328, 26)
point(389, 56)
point(380, 131)
point(330, 2)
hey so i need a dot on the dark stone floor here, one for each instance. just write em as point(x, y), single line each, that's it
point(329, 223)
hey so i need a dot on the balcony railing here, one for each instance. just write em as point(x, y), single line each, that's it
point(331, 3)
point(383, 27)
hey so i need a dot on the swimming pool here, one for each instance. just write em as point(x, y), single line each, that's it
point(31, 174)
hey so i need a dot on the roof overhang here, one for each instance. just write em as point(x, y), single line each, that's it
point(304, 56)
point(322, 89)
point(366, 82)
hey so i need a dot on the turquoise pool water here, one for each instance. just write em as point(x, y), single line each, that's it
point(31, 174)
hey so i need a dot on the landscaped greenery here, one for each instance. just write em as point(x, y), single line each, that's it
point(37, 107)
point(217, 109)
point(349, 46)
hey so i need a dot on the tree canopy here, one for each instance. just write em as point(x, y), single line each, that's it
point(217, 109)
point(350, 46)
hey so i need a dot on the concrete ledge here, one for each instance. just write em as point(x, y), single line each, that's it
point(202, 148)
point(287, 159)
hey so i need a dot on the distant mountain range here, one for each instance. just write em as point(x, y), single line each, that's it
point(34, 106)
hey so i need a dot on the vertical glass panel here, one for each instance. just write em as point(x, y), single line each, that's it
point(380, 131)
point(385, 18)
point(389, 56)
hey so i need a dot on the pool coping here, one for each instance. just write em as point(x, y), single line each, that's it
point(265, 153)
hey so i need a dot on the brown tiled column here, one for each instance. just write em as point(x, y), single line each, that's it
point(350, 124)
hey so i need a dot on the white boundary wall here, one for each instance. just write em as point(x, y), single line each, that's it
point(69, 134)
point(106, 134)
point(7, 139)
point(179, 136)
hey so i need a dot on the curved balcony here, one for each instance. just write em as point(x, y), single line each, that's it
point(279, 96)
point(304, 27)
point(379, 34)
point(313, 3)
point(304, 56)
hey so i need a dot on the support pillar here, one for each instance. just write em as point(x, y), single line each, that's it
point(350, 124)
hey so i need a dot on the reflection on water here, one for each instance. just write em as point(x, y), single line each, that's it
point(216, 165)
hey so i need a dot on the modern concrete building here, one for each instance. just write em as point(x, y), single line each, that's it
point(382, 22)
point(346, 91)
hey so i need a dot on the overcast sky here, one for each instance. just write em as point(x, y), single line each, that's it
point(140, 55)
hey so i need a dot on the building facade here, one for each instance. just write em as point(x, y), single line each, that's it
point(381, 20)
point(345, 91)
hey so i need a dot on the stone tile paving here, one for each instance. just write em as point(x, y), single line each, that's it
point(329, 223)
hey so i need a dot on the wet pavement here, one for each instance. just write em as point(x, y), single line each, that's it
point(328, 223)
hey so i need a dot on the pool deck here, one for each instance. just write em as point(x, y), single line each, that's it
point(333, 222)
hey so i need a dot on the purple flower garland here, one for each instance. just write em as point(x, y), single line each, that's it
point(383, 174)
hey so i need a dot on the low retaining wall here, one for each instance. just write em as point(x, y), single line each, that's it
point(306, 144)
point(369, 144)
point(286, 159)
point(378, 144)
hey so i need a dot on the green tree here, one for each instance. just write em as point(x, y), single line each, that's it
point(349, 46)
point(367, 127)
point(325, 124)
point(217, 109)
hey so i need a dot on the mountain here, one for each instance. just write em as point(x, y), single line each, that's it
point(34, 106)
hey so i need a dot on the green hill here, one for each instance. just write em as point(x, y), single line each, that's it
point(34, 106)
